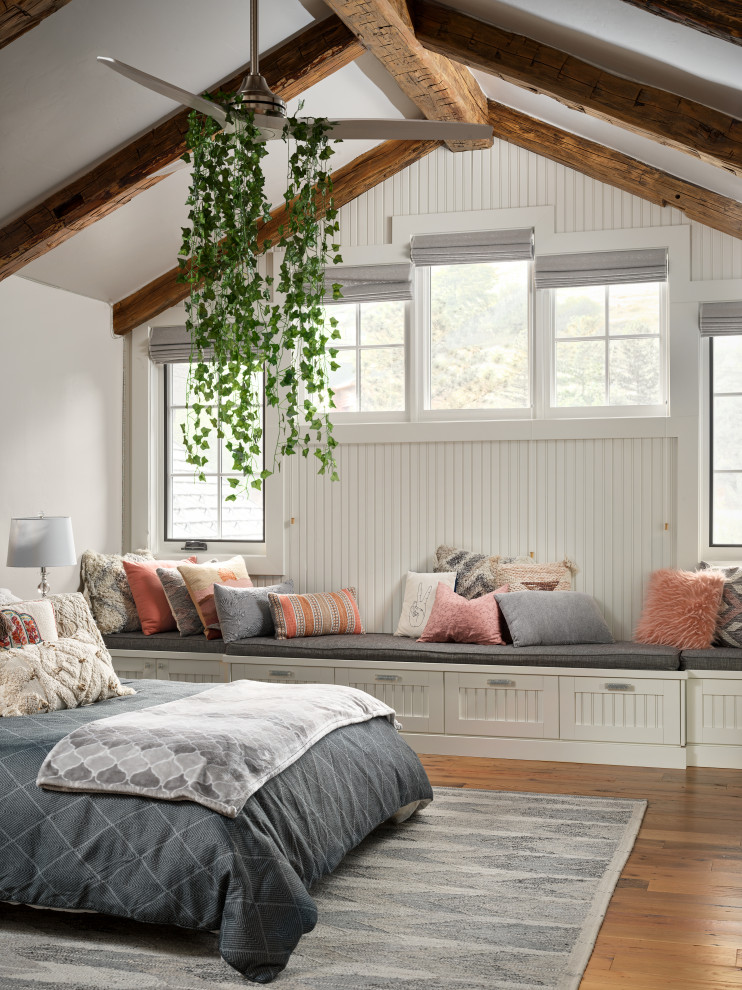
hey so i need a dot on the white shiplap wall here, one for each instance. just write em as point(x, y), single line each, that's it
point(602, 503)
point(506, 177)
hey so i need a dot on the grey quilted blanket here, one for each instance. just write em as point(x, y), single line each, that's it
point(178, 863)
point(216, 748)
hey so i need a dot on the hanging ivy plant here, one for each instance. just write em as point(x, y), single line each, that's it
point(241, 336)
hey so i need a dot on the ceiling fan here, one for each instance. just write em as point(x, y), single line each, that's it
point(270, 110)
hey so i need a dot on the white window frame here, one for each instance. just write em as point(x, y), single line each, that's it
point(146, 473)
point(395, 416)
point(546, 406)
point(713, 552)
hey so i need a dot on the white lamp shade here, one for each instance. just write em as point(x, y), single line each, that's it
point(41, 541)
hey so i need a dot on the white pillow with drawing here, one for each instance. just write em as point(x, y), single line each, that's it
point(419, 595)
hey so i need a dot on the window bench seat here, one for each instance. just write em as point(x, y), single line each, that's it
point(622, 703)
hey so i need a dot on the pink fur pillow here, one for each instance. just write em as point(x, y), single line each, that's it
point(455, 619)
point(680, 609)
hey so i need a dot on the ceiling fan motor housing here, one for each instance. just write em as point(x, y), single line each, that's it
point(255, 94)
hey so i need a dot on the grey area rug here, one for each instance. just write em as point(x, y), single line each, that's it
point(480, 891)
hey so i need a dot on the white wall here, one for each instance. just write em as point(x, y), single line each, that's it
point(620, 497)
point(60, 409)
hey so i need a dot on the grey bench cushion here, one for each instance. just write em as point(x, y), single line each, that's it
point(157, 642)
point(718, 658)
point(382, 646)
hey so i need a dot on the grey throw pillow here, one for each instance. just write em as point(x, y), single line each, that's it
point(245, 612)
point(553, 618)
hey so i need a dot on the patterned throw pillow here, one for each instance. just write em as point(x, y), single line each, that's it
point(476, 573)
point(527, 575)
point(419, 595)
point(325, 614)
point(180, 602)
point(680, 609)
point(245, 612)
point(27, 623)
point(200, 580)
point(728, 631)
point(107, 590)
point(150, 600)
point(455, 619)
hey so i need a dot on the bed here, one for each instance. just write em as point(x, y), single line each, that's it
point(180, 863)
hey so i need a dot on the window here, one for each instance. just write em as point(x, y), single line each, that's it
point(726, 441)
point(197, 510)
point(608, 346)
point(371, 355)
point(478, 336)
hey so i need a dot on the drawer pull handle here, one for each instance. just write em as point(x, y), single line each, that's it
point(281, 673)
point(500, 682)
point(619, 687)
point(161, 666)
point(388, 677)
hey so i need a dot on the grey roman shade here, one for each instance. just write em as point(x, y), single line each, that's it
point(472, 247)
point(720, 318)
point(369, 283)
point(171, 345)
point(601, 268)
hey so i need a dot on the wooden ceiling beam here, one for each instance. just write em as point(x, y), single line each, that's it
point(19, 16)
point(672, 120)
point(616, 169)
point(719, 18)
point(442, 89)
point(349, 182)
point(292, 68)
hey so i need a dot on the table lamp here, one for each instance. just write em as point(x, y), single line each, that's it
point(41, 541)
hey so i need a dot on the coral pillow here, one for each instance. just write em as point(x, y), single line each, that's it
point(326, 614)
point(680, 609)
point(455, 619)
point(200, 580)
point(154, 612)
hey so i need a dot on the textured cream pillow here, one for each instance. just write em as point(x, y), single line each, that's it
point(531, 576)
point(419, 595)
point(49, 676)
point(107, 589)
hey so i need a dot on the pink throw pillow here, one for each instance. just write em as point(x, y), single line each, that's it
point(680, 609)
point(455, 619)
point(149, 597)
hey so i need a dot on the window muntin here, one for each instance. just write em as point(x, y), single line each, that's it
point(726, 441)
point(197, 510)
point(479, 336)
point(608, 348)
point(371, 355)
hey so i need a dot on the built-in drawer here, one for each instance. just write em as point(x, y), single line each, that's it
point(193, 671)
point(620, 709)
point(280, 673)
point(502, 705)
point(416, 696)
point(134, 667)
point(715, 711)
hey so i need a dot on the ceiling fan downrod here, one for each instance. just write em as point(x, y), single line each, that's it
point(255, 93)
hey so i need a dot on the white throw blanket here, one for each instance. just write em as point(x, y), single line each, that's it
point(216, 748)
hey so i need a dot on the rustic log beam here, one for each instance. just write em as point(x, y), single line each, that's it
point(19, 16)
point(349, 182)
point(442, 89)
point(719, 18)
point(672, 120)
point(598, 162)
point(295, 66)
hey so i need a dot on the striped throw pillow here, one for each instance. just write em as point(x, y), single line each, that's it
point(325, 614)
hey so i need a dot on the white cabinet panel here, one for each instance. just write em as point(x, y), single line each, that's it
point(502, 705)
point(279, 673)
point(416, 696)
point(134, 667)
point(620, 709)
point(193, 671)
point(715, 711)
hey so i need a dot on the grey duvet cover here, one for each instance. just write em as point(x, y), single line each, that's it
point(180, 863)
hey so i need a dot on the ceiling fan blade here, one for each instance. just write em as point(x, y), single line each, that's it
point(410, 130)
point(166, 89)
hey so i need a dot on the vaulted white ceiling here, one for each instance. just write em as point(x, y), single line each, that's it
point(61, 111)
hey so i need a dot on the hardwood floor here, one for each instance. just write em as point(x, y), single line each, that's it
point(675, 919)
